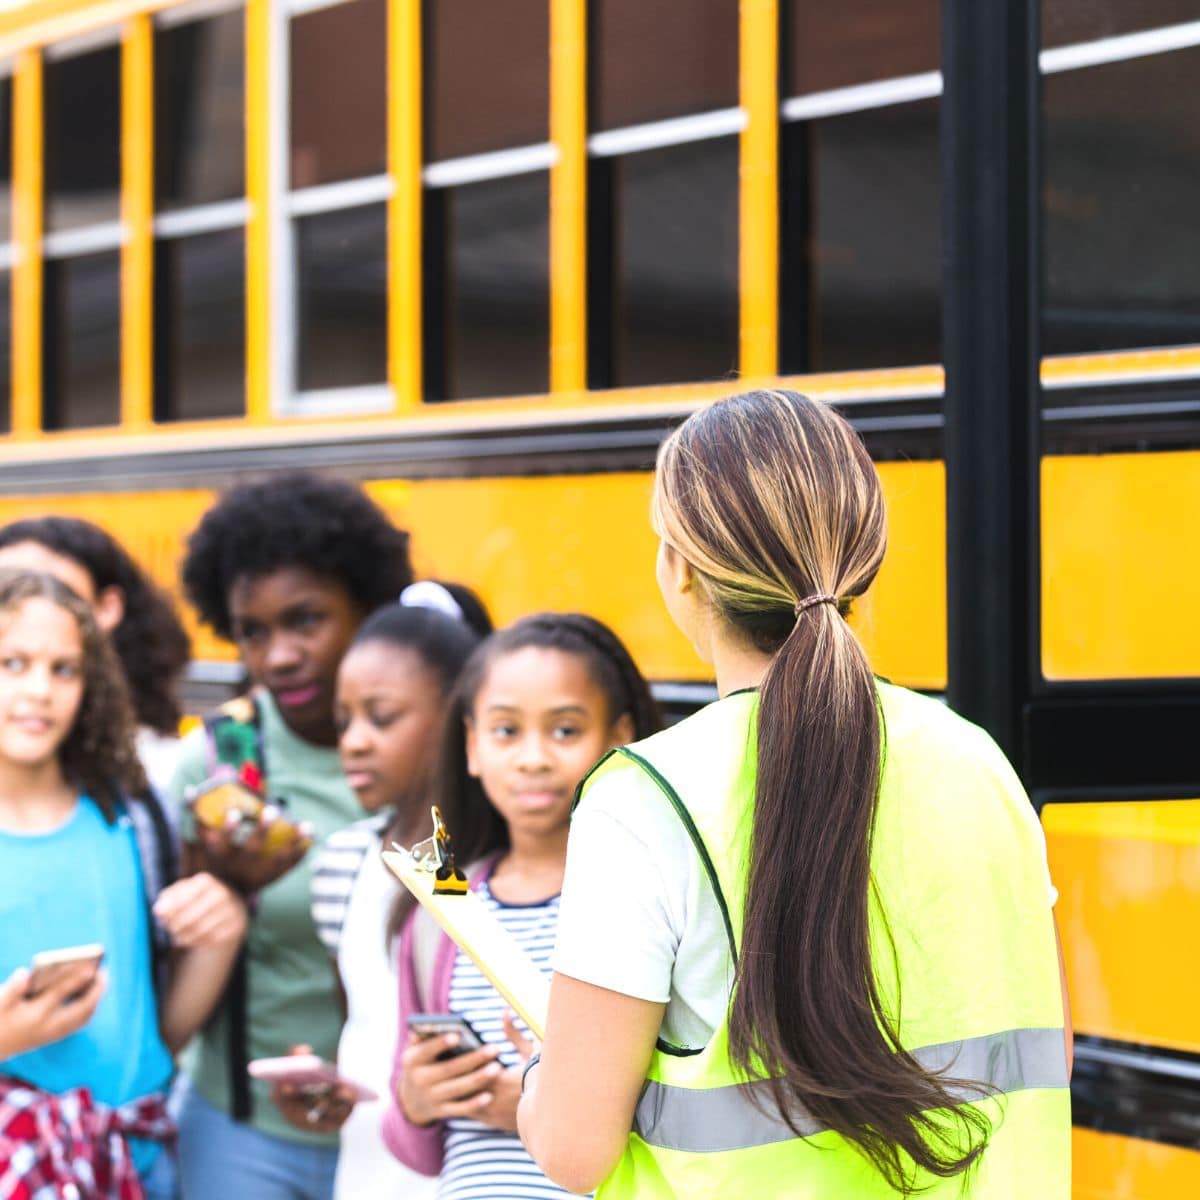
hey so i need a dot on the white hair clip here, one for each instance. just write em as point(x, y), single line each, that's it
point(428, 594)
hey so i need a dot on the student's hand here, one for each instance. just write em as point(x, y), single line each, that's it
point(242, 859)
point(506, 1091)
point(200, 911)
point(313, 1109)
point(54, 1013)
point(525, 1044)
point(431, 1091)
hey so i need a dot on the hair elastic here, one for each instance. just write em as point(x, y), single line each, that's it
point(427, 593)
point(813, 601)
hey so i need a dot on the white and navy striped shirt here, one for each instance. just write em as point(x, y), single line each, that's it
point(482, 1163)
point(338, 863)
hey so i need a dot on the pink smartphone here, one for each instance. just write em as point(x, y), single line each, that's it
point(307, 1071)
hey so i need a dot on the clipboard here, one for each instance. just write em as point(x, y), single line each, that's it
point(461, 915)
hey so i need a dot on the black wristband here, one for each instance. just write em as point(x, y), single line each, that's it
point(533, 1062)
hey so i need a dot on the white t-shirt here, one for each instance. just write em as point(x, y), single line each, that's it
point(158, 753)
point(639, 915)
point(659, 935)
point(366, 1169)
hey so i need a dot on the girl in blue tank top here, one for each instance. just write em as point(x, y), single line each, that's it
point(86, 1054)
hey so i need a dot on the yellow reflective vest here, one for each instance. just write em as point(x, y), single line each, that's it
point(972, 986)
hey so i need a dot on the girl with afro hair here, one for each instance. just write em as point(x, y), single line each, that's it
point(286, 569)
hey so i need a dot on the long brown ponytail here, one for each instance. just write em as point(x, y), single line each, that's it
point(774, 501)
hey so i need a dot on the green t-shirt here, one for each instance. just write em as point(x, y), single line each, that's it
point(292, 996)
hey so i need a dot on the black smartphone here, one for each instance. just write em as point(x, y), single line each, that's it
point(428, 1025)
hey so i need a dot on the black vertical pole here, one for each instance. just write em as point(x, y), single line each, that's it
point(990, 128)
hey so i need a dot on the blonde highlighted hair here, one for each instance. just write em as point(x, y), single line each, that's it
point(775, 503)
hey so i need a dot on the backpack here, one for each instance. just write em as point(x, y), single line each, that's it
point(233, 738)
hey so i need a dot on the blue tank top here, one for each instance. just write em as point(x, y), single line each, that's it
point(76, 884)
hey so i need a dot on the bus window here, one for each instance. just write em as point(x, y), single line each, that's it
point(341, 287)
point(199, 356)
point(1121, 195)
point(81, 366)
point(829, 46)
point(861, 258)
point(83, 141)
point(488, 293)
point(199, 111)
point(487, 199)
point(654, 62)
point(5, 351)
point(479, 100)
point(200, 326)
point(663, 202)
point(674, 294)
point(6, 115)
point(338, 83)
point(1069, 22)
point(861, 263)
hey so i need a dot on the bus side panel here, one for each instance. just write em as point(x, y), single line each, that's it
point(1120, 572)
point(1128, 876)
point(152, 526)
point(1110, 1167)
point(585, 542)
point(573, 542)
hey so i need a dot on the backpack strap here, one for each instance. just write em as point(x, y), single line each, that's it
point(233, 737)
point(158, 856)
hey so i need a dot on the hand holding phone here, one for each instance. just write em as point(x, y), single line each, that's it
point(76, 964)
point(447, 1070)
point(62, 1002)
point(309, 1092)
point(428, 1025)
point(307, 1073)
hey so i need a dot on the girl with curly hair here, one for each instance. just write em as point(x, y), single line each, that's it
point(151, 644)
point(86, 1055)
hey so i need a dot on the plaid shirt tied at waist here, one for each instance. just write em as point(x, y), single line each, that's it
point(69, 1147)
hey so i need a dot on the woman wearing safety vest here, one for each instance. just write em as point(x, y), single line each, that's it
point(806, 946)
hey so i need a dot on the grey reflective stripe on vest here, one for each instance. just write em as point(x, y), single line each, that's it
point(711, 1120)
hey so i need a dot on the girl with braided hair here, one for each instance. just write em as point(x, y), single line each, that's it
point(536, 706)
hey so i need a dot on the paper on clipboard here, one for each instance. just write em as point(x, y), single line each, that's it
point(482, 938)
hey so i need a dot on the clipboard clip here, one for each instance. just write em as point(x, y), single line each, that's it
point(436, 854)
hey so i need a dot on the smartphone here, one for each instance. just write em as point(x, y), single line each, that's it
point(427, 1025)
point(49, 965)
point(308, 1072)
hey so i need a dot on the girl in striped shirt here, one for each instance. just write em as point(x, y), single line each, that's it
point(392, 689)
point(537, 704)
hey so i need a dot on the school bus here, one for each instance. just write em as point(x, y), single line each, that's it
point(481, 254)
